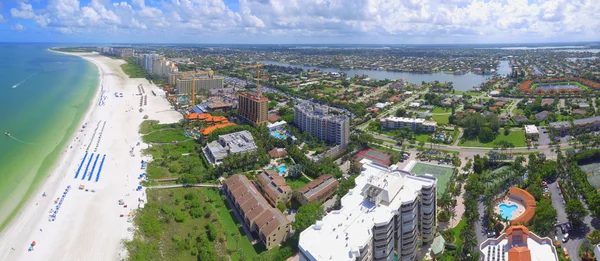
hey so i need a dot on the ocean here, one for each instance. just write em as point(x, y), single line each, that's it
point(43, 97)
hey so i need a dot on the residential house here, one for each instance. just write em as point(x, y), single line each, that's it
point(542, 116)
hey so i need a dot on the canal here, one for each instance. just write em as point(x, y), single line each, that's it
point(463, 82)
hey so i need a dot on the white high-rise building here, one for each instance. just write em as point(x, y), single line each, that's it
point(322, 123)
point(389, 210)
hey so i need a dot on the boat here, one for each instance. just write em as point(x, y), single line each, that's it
point(7, 133)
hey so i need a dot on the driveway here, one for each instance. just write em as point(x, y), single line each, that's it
point(577, 234)
point(557, 203)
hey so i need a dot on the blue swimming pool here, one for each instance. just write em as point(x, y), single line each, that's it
point(507, 210)
point(277, 135)
point(281, 169)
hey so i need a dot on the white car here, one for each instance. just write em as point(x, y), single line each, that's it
point(565, 237)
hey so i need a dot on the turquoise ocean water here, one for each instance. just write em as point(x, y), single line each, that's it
point(51, 94)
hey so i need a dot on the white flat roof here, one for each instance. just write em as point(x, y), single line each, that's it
point(539, 252)
point(411, 120)
point(531, 129)
point(342, 233)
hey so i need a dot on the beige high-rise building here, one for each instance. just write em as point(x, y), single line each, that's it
point(184, 85)
point(253, 107)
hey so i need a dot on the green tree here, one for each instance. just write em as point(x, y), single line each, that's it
point(576, 212)
point(401, 112)
point(307, 215)
point(545, 217)
point(486, 135)
point(281, 206)
point(211, 231)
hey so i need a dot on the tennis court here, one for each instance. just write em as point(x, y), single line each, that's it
point(443, 174)
point(593, 174)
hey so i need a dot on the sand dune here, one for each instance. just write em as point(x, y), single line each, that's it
point(87, 225)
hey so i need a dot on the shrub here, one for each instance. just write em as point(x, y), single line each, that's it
point(196, 212)
point(179, 217)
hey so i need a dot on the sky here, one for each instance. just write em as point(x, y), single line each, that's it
point(300, 21)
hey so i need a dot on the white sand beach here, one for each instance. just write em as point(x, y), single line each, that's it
point(88, 225)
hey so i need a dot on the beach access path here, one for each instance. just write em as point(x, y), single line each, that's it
point(88, 225)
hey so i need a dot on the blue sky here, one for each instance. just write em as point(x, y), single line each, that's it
point(299, 21)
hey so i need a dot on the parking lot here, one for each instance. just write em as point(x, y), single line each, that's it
point(544, 139)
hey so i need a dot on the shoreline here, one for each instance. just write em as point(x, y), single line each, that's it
point(48, 177)
point(90, 225)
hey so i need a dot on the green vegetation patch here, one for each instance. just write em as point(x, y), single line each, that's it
point(148, 126)
point(443, 174)
point(516, 137)
point(296, 183)
point(74, 49)
point(330, 90)
point(164, 136)
point(438, 109)
point(132, 69)
point(440, 119)
point(423, 137)
point(189, 224)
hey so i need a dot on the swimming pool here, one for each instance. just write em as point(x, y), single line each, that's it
point(507, 210)
point(277, 135)
point(281, 169)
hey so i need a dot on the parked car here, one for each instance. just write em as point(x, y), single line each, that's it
point(491, 234)
point(565, 238)
point(563, 228)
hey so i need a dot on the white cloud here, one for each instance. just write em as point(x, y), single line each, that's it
point(338, 19)
point(2, 20)
point(17, 27)
point(25, 11)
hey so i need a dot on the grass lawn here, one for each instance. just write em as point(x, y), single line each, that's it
point(440, 119)
point(330, 90)
point(296, 183)
point(438, 109)
point(443, 174)
point(515, 137)
point(158, 226)
point(423, 137)
point(517, 111)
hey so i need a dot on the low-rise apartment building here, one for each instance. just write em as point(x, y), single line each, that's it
point(262, 220)
point(318, 190)
point(584, 125)
point(320, 122)
point(237, 142)
point(389, 211)
point(274, 187)
point(412, 123)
